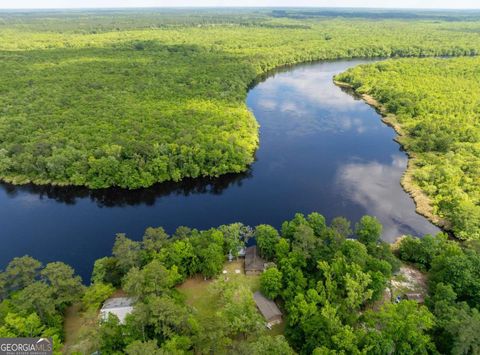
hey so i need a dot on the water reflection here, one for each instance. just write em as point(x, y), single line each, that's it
point(311, 104)
point(320, 150)
point(116, 197)
point(375, 187)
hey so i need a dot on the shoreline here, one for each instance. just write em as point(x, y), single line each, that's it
point(423, 205)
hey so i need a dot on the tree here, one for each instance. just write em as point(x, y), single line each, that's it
point(66, 286)
point(96, 294)
point(460, 269)
point(357, 287)
point(457, 325)
point(154, 239)
point(267, 238)
point(112, 340)
point(39, 298)
point(211, 260)
point(282, 249)
point(21, 272)
point(126, 252)
point(141, 348)
point(235, 236)
point(317, 222)
point(177, 345)
point(271, 282)
point(304, 241)
point(168, 318)
point(105, 270)
point(289, 227)
point(236, 308)
point(181, 253)
point(422, 251)
point(341, 226)
point(400, 328)
point(266, 345)
point(153, 280)
point(20, 326)
point(368, 230)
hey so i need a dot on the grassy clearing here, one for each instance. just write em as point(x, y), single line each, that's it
point(196, 291)
point(78, 328)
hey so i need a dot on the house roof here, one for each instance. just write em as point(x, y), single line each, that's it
point(119, 306)
point(267, 307)
point(117, 302)
point(412, 296)
point(253, 261)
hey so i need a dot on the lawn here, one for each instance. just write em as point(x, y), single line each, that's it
point(196, 290)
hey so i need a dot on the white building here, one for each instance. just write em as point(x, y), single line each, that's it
point(119, 306)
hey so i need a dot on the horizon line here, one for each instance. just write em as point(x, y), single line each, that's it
point(241, 7)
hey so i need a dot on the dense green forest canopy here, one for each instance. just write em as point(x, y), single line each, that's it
point(437, 104)
point(130, 99)
point(330, 287)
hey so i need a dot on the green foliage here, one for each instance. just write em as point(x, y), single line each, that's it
point(267, 345)
point(95, 295)
point(267, 238)
point(153, 280)
point(112, 340)
point(399, 329)
point(20, 272)
point(66, 286)
point(457, 324)
point(271, 282)
point(422, 251)
point(140, 348)
point(368, 230)
point(126, 253)
point(435, 102)
point(327, 281)
point(34, 298)
point(119, 99)
point(453, 274)
point(237, 309)
point(105, 270)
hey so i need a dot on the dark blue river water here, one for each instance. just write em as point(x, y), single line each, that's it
point(321, 150)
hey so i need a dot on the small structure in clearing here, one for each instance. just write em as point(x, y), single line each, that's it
point(119, 306)
point(268, 309)
point(254, 264)
point(409, 281)
point(413, 296)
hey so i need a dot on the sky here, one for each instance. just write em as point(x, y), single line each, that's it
point(436, 4)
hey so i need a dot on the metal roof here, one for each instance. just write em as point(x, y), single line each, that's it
point(253, 261)
point(267, 307)
point(117, 302)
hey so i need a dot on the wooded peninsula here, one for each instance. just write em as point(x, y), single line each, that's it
point(129, 99)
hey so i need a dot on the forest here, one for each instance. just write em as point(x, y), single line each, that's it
point(436, 104)
point(329, 280)
point(103, 99)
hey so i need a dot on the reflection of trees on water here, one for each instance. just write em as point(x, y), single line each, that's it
point(116, 197)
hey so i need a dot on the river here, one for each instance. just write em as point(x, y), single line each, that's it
point(321, 149)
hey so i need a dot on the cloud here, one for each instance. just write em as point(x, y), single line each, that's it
point(376, 187)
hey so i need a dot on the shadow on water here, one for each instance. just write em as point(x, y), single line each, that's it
point(117, 197)
point(321, 149)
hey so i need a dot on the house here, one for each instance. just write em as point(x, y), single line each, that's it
point(254, 264)
point(268, 309)
point(119, 306)
point(418, 297)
